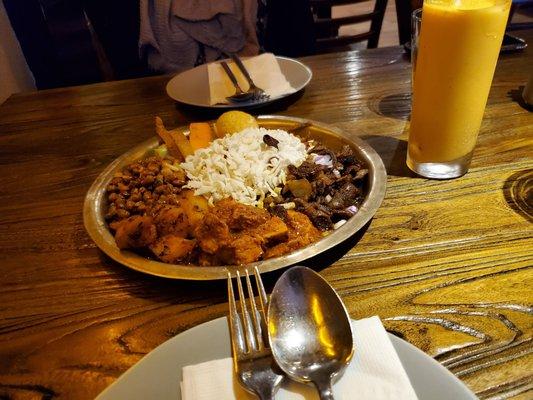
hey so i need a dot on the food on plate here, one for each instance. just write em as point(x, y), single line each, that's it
point(253, 194)
point(200, 135)
point(142, 185)
point(242, 166)
point(168, 139)
point(234, 233)
point(234, 121)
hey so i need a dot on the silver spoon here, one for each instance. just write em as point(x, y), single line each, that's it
point(239, 95)
point(309, 329)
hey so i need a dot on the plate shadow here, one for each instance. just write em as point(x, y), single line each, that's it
point(518, 193)
point(197, 113)
point(393, 152)
point(516, 96)
point(397, 106)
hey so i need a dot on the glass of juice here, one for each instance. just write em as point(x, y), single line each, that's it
point(455, 57)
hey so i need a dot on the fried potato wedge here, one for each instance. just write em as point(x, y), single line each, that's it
point(195, 207)
point(172, 248)
point(167, 138)
point(173, 220)
point(182, 142)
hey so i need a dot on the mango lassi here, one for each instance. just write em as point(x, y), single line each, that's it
point(458, 49)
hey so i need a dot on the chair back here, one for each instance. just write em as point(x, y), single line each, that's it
point(404, 9)
point(327, 27)
point(525, 6)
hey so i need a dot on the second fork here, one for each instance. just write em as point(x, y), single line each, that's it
point(252, 358)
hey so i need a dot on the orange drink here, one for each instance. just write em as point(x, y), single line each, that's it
point(457, 52)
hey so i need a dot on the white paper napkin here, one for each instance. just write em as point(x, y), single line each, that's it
point(375, 373)
point(264, 70)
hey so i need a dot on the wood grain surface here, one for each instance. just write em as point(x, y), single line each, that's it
point(447, 265)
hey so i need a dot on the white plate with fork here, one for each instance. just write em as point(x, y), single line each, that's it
point(191, 87)
point(158, 374)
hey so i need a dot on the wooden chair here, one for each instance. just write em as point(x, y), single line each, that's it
point(404, 9)
point(519, 4)
point(327, 28)
point(75, 42)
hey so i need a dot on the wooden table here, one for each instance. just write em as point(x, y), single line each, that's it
point(445, 264)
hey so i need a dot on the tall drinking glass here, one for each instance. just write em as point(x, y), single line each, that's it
point(454, 61)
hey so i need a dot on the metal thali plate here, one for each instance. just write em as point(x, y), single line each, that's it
point(334, 138)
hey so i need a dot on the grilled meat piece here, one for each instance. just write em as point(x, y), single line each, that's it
point(279, 211)
point(337, 215)
point(243, 249)
point(301, 233)
point(356, 172)
point(233, 233)
point(300, 225)
point(321, 219)
point(308, 170)
point(323, 185)
point(272, 231)
point(239, 216)
point(319, 214)
point(212, 233)
point(346, 156)
point(346, 196)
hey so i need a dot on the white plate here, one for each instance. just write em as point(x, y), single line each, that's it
point(158, 374)
point(192, 86)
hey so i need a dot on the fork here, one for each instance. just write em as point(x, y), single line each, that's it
point(257, 92)
point(252, 357)
point(239, 95)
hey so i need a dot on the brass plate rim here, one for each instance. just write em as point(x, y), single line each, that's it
point(96, 226)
